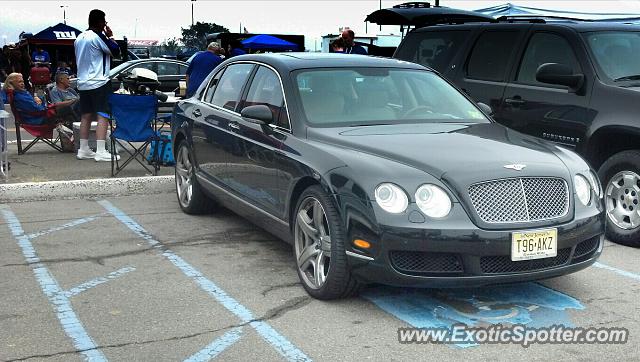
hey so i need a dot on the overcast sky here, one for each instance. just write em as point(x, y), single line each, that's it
point(159, 20)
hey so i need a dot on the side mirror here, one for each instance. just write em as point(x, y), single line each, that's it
point(260, 114)
point(485, 108)
point(554, 73)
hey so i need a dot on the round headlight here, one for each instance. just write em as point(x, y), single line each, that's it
point(595, 183)
point(583, 190)
point(391, 198)
point(433, 201)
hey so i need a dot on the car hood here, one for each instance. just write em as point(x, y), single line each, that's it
point(460, 153)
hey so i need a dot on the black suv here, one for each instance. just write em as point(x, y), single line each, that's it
point(576, 83)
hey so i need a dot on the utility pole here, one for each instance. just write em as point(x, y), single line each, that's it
point(192, 1)
point(380, 9)
point(64, 13)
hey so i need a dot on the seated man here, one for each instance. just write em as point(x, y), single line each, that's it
point(32, 110)
point(63, 95)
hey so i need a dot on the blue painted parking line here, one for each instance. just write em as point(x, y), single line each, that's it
point(51, 289)
point(279, 342)
point(65, 226)
point(528, 303)
point(616, 270)
point(97, 281)
point(217, 346)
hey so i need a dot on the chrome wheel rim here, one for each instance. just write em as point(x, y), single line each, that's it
point(312, 243)
point(184, 173)
point(623, 200)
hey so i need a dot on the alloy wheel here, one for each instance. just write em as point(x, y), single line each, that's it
point(623, 200)
point(312, 243)
point(184, 176)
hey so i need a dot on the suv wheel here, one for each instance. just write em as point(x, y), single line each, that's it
point(190, 195)
point(319, 242)
point(620, 176)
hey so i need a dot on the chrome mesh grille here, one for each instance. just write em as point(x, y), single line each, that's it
point(520, 199)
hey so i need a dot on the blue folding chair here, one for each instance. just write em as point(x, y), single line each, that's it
point(132, 120)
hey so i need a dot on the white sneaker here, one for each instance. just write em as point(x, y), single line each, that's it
point(85, 154)
point(104, 156)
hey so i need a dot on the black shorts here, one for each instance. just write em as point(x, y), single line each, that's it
point(95, 100)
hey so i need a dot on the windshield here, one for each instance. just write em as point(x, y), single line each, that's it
point(338, 97)
point(616, 53)
point(117, 69)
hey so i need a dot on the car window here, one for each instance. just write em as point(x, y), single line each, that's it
point(266, 90)
point(545, 48)
point(147, 65)
point(229, 88)
point(434, 49)
point(168, 68)
point(212, 87)
point(614, 51)
point(490, 55)
point(337, 97)
point(182, 69)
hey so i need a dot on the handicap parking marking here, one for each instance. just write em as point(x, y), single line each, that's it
point(280, 343)
point(530, 304)
point(55, 294)
point(616, 270)
point(65, 226)
point(97, 281)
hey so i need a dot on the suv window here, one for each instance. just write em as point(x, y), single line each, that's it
point(227, 92)
point(490, 55)
point(266, 90)
point(433, 49)
point(545, 48)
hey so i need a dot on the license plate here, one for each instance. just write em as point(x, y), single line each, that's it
point(534, 244)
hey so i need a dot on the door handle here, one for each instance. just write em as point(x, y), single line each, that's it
point(234, 125)
point(515, 101)
point(196, 113)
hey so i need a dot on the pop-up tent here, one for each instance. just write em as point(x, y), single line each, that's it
point(269, 42)
point(509, 9)
point(60, 34)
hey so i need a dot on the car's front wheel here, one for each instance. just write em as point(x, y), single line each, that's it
point(620, 176)
point(190, 195)
point(319, 242)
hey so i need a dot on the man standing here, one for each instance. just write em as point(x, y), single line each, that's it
point(200, 67)
point(94, 48)
point(352, 48)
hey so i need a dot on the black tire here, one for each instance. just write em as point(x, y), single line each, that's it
point(198, 202)
point(339, 282)
point(611, 170)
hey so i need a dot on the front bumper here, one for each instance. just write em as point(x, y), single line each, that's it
point(417, 257)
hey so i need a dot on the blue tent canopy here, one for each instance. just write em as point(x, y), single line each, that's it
point(58, 32)
point(264, 41)
point(509, 9)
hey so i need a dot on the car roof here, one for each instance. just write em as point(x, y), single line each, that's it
point(577, 25)
point(135, 61)
point(285, 62)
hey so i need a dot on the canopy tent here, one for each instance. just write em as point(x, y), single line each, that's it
point(509, 9)
point(60, 34)
point(264, 41)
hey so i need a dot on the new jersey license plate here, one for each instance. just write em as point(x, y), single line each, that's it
point(534, 244)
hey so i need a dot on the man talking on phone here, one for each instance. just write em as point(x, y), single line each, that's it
point(94, 49)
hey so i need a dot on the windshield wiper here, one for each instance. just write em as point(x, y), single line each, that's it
point(628, 77)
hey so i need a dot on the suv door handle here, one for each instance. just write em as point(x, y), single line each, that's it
point(196, 113)
point(515, 101)
point(234, 125)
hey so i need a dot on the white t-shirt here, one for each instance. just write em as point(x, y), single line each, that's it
point(93, 58)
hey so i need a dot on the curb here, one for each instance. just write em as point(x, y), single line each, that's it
point(52, 190)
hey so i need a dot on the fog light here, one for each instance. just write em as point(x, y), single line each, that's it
point(361, 244)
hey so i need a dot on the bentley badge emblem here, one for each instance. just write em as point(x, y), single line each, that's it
point(515, 166)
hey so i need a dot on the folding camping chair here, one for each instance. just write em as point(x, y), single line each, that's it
point(41, 132)
point(134, 117)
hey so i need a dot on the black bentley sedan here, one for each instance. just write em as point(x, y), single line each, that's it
point(379, 170)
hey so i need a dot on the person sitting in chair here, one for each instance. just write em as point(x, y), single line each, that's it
point(32, 110)
point(63, 95)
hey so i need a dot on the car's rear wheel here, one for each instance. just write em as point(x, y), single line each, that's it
point(319, 242)
point(190, 195)
point(620, 176)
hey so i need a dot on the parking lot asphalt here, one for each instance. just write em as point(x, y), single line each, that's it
point(133, 278)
